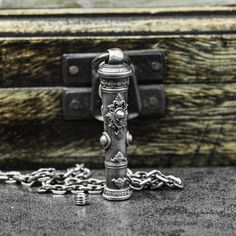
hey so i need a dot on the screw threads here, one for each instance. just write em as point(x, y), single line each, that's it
point(81, 199)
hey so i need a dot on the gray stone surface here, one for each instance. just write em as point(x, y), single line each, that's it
point(207, 206)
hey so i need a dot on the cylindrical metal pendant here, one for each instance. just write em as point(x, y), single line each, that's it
point(114, 81)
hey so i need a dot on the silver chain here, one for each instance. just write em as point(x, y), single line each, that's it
point(78, 178)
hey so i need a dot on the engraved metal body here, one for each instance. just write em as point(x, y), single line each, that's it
point(114, 82)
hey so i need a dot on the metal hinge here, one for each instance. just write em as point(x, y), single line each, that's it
point(81, 99)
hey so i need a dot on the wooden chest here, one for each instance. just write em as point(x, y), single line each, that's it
point(199, 126)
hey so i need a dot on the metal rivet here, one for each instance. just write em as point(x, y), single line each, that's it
point(129, 138)
point(156, 66)
point(105, 140)
point(73, 70)
point(153, 101)
point(74, 104)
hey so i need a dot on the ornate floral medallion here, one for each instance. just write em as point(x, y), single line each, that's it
point(117, 114)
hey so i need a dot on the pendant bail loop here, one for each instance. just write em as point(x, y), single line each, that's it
point(116, 56)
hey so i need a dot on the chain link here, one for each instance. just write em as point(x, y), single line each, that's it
point(78, 178)
point(153, 179)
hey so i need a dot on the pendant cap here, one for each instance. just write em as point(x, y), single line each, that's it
point(115, 66)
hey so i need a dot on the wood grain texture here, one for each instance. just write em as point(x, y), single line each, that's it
point(32, 4)
point(190, 59)
point(207, 9)
point(31, 23)
point(199, 129)
point(200, 47)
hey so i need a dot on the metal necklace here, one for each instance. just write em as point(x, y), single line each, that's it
point(114, 71)
point(77, 179)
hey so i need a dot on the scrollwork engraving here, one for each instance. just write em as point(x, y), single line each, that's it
point(118, 158)
point(111, 84)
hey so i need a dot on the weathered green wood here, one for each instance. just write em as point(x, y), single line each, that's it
point(11, 4)
point(35, 23)
point(199, 129)
point(190, 59)
point(35, 61)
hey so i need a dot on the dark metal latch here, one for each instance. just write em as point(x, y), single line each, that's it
point(81, 96)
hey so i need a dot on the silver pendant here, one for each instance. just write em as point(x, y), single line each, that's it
point(114, 76)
